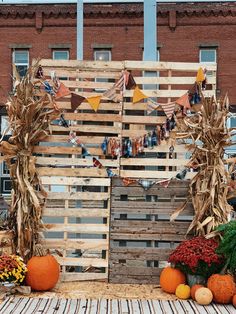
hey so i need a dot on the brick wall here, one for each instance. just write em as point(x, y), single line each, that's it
point(181, 28)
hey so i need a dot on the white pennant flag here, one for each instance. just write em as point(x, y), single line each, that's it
point(151, 105)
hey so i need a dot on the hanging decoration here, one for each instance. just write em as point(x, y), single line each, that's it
point(151, 106)
point(169, 109)
point(183, 101)
point(63, 122)
point(138, 95)
point(62, 91)
point(94, 102)
point(76, 100)
point(200, 75)
point(130, 84)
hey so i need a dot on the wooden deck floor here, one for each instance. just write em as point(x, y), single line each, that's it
point(17, 305)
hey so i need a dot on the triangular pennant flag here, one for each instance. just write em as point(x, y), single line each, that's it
point(96, 163)
point(63, 122)
point(94, 102)
point(110, 173)
point(128, 181)
point(62, 91)
point(121, 82)
point(200, 75)
point(112, 95)
point(169, 109)
point(130, 84)
point(151, 105)
point(138, 95)
point(75, 101)
point(164, 183)
point(39, 72)
point(146, 184)
point(183, 101)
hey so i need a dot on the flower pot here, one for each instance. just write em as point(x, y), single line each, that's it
point(195, 280)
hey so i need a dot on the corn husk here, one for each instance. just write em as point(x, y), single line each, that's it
point(209, 136)
point(29, 118)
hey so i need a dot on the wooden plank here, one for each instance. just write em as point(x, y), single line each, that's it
point(70, 277)
point(75, 181)
point(82, 261)
point(57, 150)
point(89, 129)
point(124, 270)
point(143, 254)
point(176, 80)
point(74, 162)
point(163, 66)
point(84, 139)
point(95, 196)
point(143, 119)
point(170, 237)
point(77, 228)
point(76, 212)
point(82, 244)
point(83, 65)
point(93, 117)
point(150, 174)
point(74, 172)
point(152, 162)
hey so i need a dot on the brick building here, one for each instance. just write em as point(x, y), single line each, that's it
point(186, 32)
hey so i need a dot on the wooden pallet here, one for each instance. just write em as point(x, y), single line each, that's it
point(142, 236)
point(18, 305)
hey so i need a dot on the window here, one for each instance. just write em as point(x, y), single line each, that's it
point(207, 55)
point(102, 55)
point(21, 60)
point(60, 55)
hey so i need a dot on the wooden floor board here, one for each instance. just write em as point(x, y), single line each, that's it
point(17, 305)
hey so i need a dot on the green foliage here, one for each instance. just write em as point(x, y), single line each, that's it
point(227, 246)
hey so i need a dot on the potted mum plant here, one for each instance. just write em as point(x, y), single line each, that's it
point(12, 270)
point(197, 258)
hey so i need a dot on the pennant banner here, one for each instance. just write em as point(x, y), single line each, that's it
point(169, 109)
point(151, 105)
point(183, 101)
point(76, 100)
point(128, 181)
point(138, 95)
point(94, 102)
point(200, 75)
point(112, 95)
point(130, 83)
point(62, 91)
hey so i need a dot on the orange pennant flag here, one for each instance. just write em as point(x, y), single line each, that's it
point(62, 91)
point(138, 95)
point(183, 101)
point(94, 102)
point(200, 75)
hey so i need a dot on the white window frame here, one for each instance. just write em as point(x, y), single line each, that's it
point(109, 59)
point(102, 50)
point(209, 73)
point(60, 50)
point(20, 63)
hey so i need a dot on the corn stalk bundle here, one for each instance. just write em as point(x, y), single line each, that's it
point(29, 120)
point(209, 136)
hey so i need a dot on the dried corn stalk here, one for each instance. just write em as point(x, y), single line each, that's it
point(29, 119)
point(209, 136)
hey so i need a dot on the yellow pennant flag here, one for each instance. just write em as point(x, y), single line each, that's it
point(94, 102)
point(200, 75)
point(138, 95)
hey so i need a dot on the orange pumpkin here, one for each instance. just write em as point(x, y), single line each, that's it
point(234, 300)
point(194, 289)
point(222, 288)
point(203, 296)
point(170, 278)
point(43, 271)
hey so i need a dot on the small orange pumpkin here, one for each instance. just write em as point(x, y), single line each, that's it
point(203, 296)
point(194, 289)
point(222, 287)
point(234, 300)
point(170, 278)
point(43, 270)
